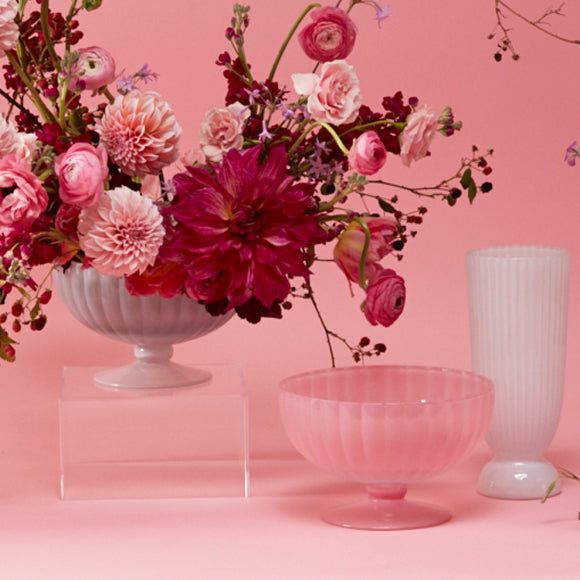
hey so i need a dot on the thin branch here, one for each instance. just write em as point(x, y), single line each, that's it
point(13, 102)
point(537, 24)
point(327, 332)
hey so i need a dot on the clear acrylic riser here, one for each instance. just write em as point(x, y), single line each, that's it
point(155, 443)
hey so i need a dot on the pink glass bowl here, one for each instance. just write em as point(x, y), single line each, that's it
point(386, 427)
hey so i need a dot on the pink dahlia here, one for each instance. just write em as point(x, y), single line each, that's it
point(8, 27)
point(140, 133)
point(122, 233)
point(241, 231)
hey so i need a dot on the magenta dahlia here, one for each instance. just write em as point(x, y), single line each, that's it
point(241, 229)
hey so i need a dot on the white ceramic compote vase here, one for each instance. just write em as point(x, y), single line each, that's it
point(152, 323)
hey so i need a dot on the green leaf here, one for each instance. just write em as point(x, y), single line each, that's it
point(466, 178)
point(35, 310)
point(472, 191)
point(386, 206)
point(89, 5)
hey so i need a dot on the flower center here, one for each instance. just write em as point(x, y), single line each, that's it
point(245, 221)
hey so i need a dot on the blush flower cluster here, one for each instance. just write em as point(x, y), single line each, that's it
point(251, 208)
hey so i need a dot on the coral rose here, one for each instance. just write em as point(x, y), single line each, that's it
point(122, 233)
point(330, 36)
point(417, 135)
point(221, 130)
point(334, 96)
point(349, 247)
point(8, 28)
point(82, 171)
point(94, 68)
point(140, 133)
point(385, 298)
point(367, 154)
point(26, 200)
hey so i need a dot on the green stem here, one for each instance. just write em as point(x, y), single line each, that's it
point(363, 256)
point(309, 129)
point(374, 124)
point(34, 96)
point(243, 60)
point(44, 12)
point(108, 94)
point(289, 38)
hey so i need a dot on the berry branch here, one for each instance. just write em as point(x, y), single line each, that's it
point(541, 23)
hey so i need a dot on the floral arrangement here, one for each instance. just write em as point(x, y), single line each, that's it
point(84, 153)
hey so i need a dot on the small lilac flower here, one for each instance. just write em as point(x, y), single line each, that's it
point(382, 13)
point(287, 112)
point(168, 187)
point(265, 135)
point(126, 84)
point(146, 74)
point(322, 146)
point(572, 152)
point(253, 95)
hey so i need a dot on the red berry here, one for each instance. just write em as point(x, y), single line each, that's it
point(45, 297)
point(38, 323)
point(17, 309)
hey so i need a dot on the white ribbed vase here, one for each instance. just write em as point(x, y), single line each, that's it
point(152, 323)
point(518, 312)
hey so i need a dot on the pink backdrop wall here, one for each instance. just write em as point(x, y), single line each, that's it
point(527, 111)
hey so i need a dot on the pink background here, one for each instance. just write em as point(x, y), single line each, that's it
point(438, 51)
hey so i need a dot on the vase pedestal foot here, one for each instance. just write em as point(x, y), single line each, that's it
point(380, 514)
point(141, 375)
point(505, 479)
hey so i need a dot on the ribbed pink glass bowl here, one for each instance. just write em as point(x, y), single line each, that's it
point(386, 427)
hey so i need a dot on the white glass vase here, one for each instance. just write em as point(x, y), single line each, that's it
point(152, 323)
point(518, 312)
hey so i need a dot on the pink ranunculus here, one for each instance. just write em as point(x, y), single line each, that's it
point(350, 245)
point(94, 68)
point(367, 154)
point(8, 27)
point(418, 135)
point(385, 298)
point(82, 171)
point(122, 233)
point(221, 130)
point(334, 96)
point(330, 35)
point(27, 198)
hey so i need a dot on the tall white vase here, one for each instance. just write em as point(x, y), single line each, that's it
point(518, 313)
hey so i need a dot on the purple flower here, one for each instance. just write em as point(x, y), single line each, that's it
point(146, 74)
point(572, 152)
point(126, 84)
point(381, 13)
point(265, 135)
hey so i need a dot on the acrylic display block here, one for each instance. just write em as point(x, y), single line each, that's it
point(155, 443)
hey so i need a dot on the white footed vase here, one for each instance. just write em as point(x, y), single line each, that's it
point(152, 323)
point(518, 313)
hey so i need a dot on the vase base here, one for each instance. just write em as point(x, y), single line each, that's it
point(504, 479)
point(142, 375)
point(378, 514)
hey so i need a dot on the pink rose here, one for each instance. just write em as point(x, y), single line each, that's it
point(350, 245)
point(418, 135)
point(81, 171)
point(385, 298)
point(330, 36)
point(11, 141)
point(94, 68)
point(192, 157)
point(334, 96)
point(221, 130)
point(367, 154)
point(27, 198)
